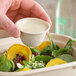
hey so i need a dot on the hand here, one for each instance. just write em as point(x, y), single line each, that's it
point(13, 10)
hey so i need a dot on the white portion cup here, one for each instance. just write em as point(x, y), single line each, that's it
point(32, 39)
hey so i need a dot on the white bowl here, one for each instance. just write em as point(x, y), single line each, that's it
point(68, 69)
point(32, 38)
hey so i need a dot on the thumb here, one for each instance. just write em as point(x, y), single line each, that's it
point(9, 26)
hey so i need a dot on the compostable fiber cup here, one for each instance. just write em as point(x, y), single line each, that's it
point(34, 34)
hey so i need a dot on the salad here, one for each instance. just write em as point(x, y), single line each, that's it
point(22, 58)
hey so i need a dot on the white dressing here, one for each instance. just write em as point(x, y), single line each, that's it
point(32, 26)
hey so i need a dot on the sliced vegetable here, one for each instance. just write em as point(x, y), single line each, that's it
point(18, 49)
point(43, 45)
point(43, 58)
point(55, 61)
point(25, 69)
point(67, 58)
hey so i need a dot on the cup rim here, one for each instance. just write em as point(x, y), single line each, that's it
point(49, 25)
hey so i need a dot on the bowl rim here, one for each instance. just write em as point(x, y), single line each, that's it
point(62, 35)
point(52, 68)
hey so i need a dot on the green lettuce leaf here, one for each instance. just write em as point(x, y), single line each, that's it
point(61, 51)
point(67, 58)
point(69, 46)
point(43, 58)
point(48, 50)
point(5, 64)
